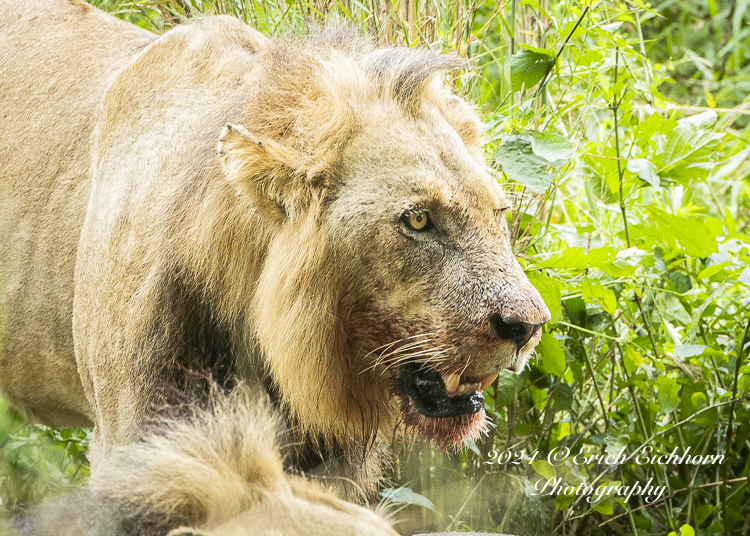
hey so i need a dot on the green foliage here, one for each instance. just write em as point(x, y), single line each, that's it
point(620, 131)
point(37, 461)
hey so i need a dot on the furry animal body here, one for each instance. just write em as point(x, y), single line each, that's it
point(313, 217)
point(215, 471)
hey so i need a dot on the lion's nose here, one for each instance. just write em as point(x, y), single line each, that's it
point(513, 330)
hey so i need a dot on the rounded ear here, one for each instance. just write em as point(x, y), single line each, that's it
point(187, 531)
point(263, 170)
point(463, 118)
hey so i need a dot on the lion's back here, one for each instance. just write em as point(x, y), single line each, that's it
point(56, 59)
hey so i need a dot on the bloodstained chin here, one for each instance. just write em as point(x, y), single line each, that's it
point(447, 432)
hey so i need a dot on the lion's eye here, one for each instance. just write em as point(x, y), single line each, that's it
point(417, 221)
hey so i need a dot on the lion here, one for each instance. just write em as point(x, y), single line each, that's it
point(215, 471)
point(313, 216)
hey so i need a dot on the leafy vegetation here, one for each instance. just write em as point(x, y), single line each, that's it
point(621, 132)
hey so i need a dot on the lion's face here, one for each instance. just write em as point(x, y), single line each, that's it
point(388, 285)
point(437, 302)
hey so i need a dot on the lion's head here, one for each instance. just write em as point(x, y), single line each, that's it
point(389, 284)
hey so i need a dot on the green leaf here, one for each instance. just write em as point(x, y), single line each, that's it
point(713, 270)
point(550, 292)
point(528, 66)
point(604, 503)
point(562, 397)
point(406, 496)
point(573, 258)
point(552, 147)
point(521, 164)
point(618, 269)
point(631, 359)
point(685, 530)
point(645, 170)
point(594, 292)
point(506, 388)
point(606, 508)
point(688, 153)
point(668, 393)
point(689, 350)
point(693, 235)
point(553, 356)
point(544, 468)
point(563, 502)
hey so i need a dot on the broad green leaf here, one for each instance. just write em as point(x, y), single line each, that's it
point(576, 258)
point(618, 269)
point(594, 292)
point(668, 393)
point(506, 388)
point(563, 397)
point(701, 120)
point(604, 507)
point(552, 147)
point(553, 356)
point(611, 27)
point(713, 270)
point(693, 235)
point(645, 170)
point(550, 292)
point(406, 496)
point(688, 153)
point(563, 502)
point(528, 67)
point(631, 359)
point(522, 165)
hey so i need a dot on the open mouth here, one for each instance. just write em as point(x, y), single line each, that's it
point(448, 408)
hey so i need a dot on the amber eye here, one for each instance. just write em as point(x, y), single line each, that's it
point(417, 221)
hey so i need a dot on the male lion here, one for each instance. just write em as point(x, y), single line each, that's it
point(313, 217)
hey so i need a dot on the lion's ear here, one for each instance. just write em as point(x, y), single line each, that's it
point(261, 169)
point(464, 119)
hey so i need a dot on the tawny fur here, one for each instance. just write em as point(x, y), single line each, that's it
point(217, 471)
point(215, 202)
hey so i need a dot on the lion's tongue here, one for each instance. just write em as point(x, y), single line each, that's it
point(454, 387)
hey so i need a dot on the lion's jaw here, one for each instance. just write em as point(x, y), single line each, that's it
point(435, 378)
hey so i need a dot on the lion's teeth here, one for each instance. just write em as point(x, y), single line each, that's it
point(485, 381)
point(451, 382)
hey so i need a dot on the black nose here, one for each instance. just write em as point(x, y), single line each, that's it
point(518, 332)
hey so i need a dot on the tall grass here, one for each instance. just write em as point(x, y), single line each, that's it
point(633, 226)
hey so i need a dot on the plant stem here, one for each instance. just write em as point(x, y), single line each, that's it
point(728, 436)
point(620, 172)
